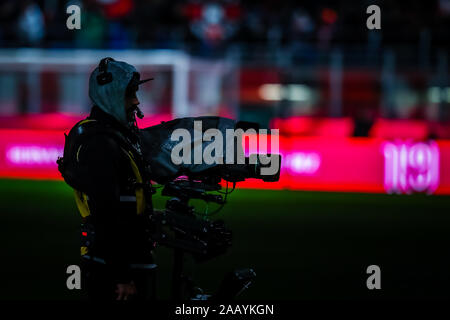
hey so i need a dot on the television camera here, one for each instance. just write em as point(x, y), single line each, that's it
point(179, 225)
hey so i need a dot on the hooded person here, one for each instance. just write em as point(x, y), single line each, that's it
point(112, 82)
point(103, 163)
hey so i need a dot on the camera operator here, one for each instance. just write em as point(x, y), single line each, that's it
point(103, 163)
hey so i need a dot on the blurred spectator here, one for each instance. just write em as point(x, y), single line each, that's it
point(302, 24)
point(30, 24)
point(328, 18)
point(209, 24)
point(116, 9)
point(301, 32)
point(213, 22)
point(93, 27)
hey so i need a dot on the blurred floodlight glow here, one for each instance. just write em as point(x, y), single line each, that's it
point(292, 92)
point(299, 92)
point(438, 95)
point(270, 92)
point(434, 95)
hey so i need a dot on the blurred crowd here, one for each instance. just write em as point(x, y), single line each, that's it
point(217, 24)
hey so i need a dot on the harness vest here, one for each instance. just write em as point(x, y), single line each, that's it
point(73, 173)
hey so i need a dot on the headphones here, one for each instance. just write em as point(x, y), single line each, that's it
point(104, 77)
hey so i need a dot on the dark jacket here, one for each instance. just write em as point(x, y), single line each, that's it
point(106, 176)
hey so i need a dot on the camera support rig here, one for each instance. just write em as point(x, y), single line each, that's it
point(178, 227)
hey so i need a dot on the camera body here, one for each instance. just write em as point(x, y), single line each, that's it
point(194, 138)
point(179, 226)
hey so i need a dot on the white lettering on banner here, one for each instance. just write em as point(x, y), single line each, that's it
point(33, 155)
point(411, 167)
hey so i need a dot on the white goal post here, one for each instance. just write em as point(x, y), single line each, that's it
point(196, 86)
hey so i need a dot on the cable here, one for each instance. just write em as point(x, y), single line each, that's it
point(205, 214)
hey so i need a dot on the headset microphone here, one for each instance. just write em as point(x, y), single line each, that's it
point(139, 113)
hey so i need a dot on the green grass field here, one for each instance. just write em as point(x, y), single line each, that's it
point(302, 245)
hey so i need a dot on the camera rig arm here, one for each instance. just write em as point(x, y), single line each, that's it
point(178, 227)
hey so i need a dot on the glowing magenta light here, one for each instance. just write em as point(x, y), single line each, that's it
point(303, 162)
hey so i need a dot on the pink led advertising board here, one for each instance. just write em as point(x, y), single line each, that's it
point(309, 163)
